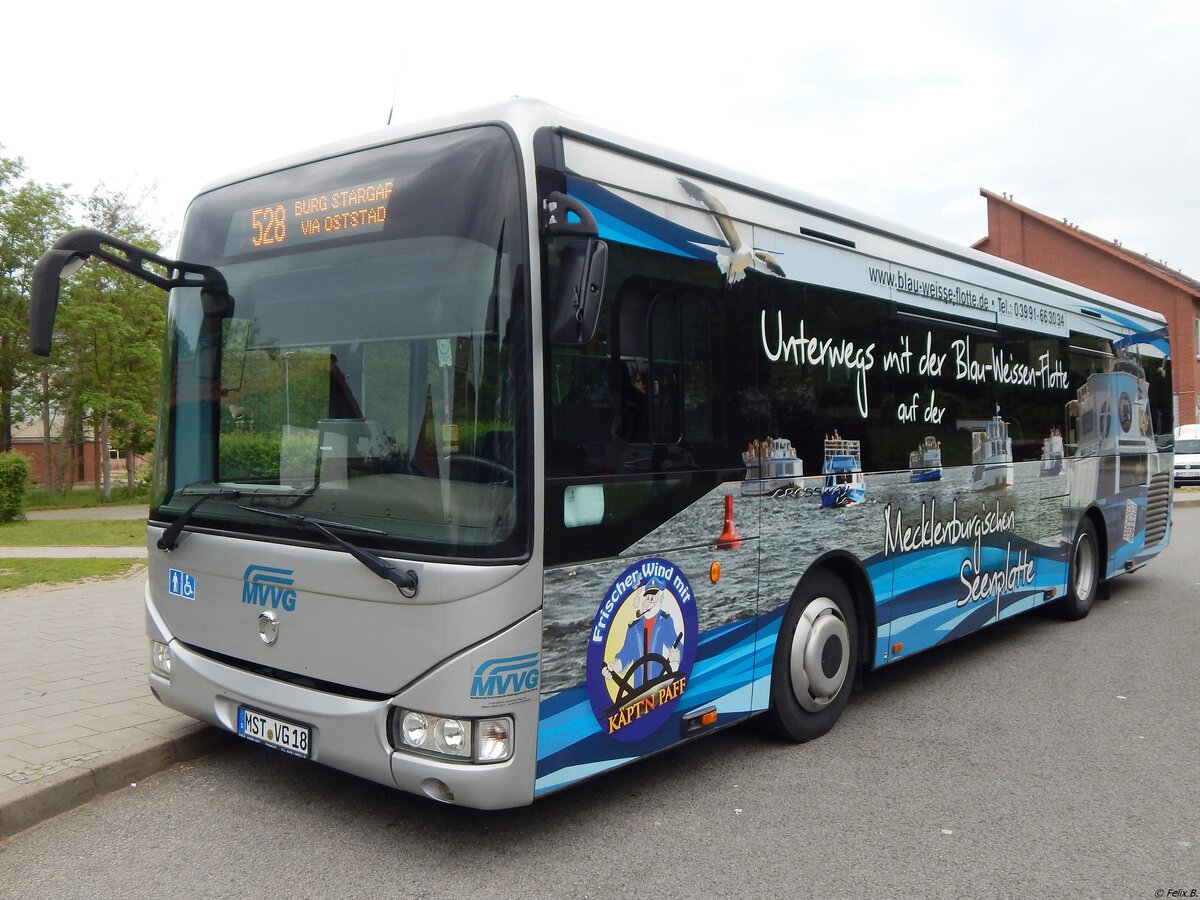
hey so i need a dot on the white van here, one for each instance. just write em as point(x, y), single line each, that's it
point(1187, 454)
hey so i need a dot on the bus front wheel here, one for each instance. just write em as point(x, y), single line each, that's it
point(1084, 574)
point(815, 659)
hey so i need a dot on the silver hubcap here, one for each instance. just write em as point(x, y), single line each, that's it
point(1085, 567)
point(820, 654)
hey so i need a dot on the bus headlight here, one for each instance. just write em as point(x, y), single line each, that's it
point(450, 736)
point(480, 741)
point(425, 733)
point(414, 729)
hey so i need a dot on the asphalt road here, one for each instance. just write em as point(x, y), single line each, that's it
point(1040, 758)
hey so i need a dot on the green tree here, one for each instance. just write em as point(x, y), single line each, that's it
point(110, 330)
point(32, 215)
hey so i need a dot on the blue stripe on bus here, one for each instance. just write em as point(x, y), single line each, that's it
point(571, 774)
point(1156, 339)
point(632, 224)
point(613, 229)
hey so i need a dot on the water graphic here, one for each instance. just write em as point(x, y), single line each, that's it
point(782, 533)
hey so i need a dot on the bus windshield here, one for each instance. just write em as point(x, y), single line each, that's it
point(368, 368)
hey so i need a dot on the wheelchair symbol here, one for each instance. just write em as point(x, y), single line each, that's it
point(181, 584)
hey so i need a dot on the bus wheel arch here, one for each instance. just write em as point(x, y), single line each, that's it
point(818, 652)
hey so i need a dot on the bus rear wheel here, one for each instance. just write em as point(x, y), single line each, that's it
point(815, 659)
point(1084, 574)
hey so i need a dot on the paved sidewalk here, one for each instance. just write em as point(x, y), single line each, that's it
point(73, 552)
point(91, 512)
point(77, 718)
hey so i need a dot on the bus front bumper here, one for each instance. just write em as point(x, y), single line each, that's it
point(347, 733)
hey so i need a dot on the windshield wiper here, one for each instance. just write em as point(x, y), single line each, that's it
point(406, 582)
point(169, 539)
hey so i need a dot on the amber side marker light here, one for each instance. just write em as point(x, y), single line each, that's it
point(714, 572)
point(897, 649)
point(701, 718)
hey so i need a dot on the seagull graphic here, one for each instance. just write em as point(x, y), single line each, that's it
point(741, 256)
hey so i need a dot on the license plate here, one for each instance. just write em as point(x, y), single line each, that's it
point(281, 734)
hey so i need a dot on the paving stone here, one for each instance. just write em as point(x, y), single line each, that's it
point(76, 715)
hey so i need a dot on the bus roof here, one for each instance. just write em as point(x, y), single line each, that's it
point(526, 116)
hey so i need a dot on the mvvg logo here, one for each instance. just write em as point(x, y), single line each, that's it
point(505, 677)
point(264, 585)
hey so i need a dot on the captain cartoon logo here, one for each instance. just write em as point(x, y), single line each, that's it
point(641, 651)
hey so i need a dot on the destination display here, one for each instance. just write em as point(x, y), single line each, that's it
point(341, 212)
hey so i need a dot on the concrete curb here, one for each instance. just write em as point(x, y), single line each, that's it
point(74, 786)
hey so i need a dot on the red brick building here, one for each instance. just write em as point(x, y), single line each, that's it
point(85, 457)
point(1060, 248)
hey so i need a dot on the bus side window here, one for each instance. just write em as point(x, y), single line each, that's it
point(582, 397)
point(664, 389)
point(634, 413)
point(631, 329)
point(651, 368)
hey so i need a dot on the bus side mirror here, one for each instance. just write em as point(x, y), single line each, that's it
point(210, 346)
point(74, 248)
point(48, 272)
point(576, 308)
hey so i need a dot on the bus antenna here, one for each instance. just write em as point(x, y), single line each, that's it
point(395, 90)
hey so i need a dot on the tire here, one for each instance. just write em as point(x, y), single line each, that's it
point(816, 658)
point(1085, 574)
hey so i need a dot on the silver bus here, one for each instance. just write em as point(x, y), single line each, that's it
point(500, 451)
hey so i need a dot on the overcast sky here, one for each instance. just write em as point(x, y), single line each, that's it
point(1083, 110)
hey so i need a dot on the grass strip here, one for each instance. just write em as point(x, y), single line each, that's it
point(74, 533)
point(18, 573)
point(82, 498)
